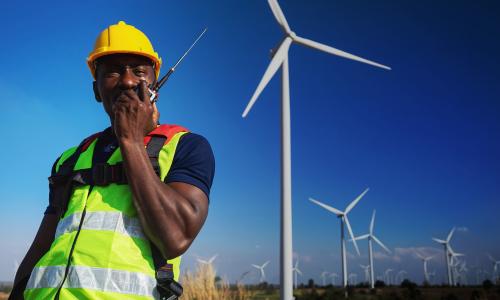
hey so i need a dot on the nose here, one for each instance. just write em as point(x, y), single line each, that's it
point(128, 80)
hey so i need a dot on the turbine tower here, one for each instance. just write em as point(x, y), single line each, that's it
point(370, 236)
point(280, 59)
point(261, 269)
point(425, 259)
point(446, 245)
point(343, 220)
point(454, 263)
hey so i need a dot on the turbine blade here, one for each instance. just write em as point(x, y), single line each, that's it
point(372, 223)
point(275, 63)
point(355, 201)
point(381, 244)
point(419, 255)
point(450, 234)
point(211, 260)
point(351, 234)
point(255, 266)
point(361, 237)
point(331, 50)
point(265, 264)
point(278, 15)
point(439, 241)
point(298, 271)
point(327, 207)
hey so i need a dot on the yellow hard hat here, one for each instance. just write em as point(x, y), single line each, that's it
point(123, 38)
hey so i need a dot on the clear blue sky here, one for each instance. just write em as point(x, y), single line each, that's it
point(425, 137)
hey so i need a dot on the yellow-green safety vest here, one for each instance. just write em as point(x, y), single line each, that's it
point(112, 256)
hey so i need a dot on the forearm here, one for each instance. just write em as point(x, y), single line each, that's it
point(169, 219)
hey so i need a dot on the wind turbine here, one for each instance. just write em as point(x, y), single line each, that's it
point(323, 276)
point(425, 259)
point(343, 220)
point(370, 236)
point(280, 59)
point(261, 269)
point(333, 275)
point(366, 269)
point(432, 275)
point(295, 271)
point(388, 276)
point(496, 263)
point(454, 263)
point(446, 245)
point(400, 275)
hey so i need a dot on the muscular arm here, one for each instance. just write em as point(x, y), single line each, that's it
point(171, 214)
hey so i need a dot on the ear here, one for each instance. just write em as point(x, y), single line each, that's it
point(96, 92)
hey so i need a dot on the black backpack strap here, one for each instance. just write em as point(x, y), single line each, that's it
point(166, 284)
point(63, 180)
point(153, 149)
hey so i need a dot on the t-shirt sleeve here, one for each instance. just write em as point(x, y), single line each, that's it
point(193, 163)
point(51, 208)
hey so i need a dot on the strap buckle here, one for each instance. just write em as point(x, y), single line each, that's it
point(100, 174)
point(104, 174)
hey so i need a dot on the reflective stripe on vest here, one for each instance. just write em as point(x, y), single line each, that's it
point(111, 256)
point(105, 280)
point(102, 220)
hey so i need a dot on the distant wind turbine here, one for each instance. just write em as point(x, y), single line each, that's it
point(323, 277)
point(496, 263)
point(446, 245)
point(296, 271)
point(280, 59)
point(425, 259)
point(399, 276)
point(343, 220)
point(333, 275)
point(261, 269)
point(370, 236)
point(366, 269)
point(388, 276)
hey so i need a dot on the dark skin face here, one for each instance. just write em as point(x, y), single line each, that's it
point(117, 78)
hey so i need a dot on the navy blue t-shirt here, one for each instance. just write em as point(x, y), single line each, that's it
point(193, 162)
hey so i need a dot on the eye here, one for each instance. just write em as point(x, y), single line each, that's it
point(139, 71)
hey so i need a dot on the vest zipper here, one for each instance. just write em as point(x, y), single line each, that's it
point(56, 297)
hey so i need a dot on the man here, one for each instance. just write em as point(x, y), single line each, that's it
point(127, 200)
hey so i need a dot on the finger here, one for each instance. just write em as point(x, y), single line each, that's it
point(143, 91)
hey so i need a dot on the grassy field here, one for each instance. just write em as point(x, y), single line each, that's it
point(204, 284)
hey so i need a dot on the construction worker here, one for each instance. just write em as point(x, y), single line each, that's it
point(128, 201)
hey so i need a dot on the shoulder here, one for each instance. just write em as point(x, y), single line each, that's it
point(84, 144)
point(193, 162)
point(194, 146)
